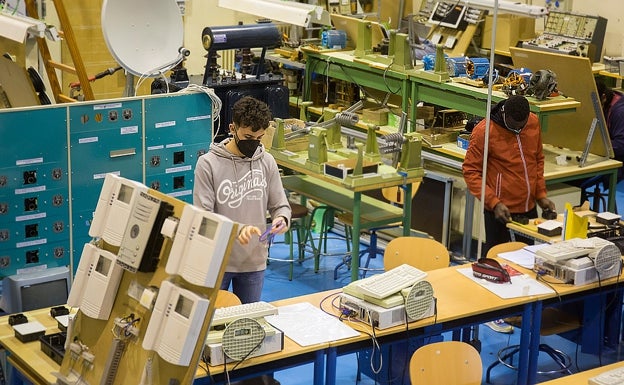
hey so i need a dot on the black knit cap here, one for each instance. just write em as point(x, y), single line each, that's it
point(516, 112)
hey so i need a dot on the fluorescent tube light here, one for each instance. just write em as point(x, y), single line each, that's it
point(16, 27)
point(290, 12)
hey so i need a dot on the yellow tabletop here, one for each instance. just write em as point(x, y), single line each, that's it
point(581, 378)
point(455, 296)
point(595, 164)
point(28, 357)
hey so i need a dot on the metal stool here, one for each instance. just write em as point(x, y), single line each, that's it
point(327, 223)
point(505, 357)
point(372, 251)
point(554, 321)
point(591, 188)
point(298, 218)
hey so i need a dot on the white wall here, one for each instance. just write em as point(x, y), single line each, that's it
point(613, 11)
point(201, 14)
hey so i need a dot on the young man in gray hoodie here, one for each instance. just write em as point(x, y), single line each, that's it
point(237, 178)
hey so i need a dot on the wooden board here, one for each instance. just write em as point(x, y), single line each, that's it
point(574, 79)
point(97, 334)
point(16, 85)
point(350, 26)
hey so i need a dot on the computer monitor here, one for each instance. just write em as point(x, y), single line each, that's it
point(447, 14)
point(35, 290)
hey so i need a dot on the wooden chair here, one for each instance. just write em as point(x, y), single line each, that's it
point(553, 321)
point(446, 362)
point(503, 248)
point(226, 298)
point(423, 253)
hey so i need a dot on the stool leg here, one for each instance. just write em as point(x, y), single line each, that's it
point(328, 216)
point(316, 248)
point(372, 250)
point(291, 256)
point(321, 241)
point(301, 240)
point(489, 369)
point(346, 259)
point(557, 356)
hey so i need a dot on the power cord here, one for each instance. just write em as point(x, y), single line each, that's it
point(217, 104)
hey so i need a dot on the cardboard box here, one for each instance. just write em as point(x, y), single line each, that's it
point(342, 168)
point(377, 115)
point(550, 230)
point(463, 140)
point(435, 137)
point(510, 29)
point(426, 113)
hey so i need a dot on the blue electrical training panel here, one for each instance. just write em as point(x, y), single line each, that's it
point(174, 139)
point(155, 140)
point(34, 190)
point(104, 137)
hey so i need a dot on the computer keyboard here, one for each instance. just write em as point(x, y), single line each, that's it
point(224, 315)
point(386, 302)
point(610, 377)
point(390, 282)
point(561, 251)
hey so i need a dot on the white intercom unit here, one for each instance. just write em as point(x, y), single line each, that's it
point(142, 241)
point(199, 246)
point(113, 208)
point(174, 326)
point(96, 282)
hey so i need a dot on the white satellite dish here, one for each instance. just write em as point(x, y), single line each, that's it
point(144, 36)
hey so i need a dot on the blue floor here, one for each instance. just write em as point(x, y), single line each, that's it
point(306, 281)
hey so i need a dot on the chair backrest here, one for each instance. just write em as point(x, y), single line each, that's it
point(226, 298)
point(423, 253)
point(446, 362)
point(396, 195)
point(504, 247)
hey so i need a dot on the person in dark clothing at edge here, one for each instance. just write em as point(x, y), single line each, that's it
point(612, 103)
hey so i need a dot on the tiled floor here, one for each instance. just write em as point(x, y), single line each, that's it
point(305, 281)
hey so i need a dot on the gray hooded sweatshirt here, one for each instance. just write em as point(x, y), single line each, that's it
point(244, 190)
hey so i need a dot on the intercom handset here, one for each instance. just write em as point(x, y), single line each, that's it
point(174, 326)
point(142, 241)
point(199, 246)
point(113, 208)
point(96, 282)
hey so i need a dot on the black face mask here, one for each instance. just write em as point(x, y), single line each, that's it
point(247, 146)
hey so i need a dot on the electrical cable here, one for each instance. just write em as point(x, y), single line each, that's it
point(386, 82)
point(376, 347)
point(368, 94)
point(161, 69)
point(217, 104)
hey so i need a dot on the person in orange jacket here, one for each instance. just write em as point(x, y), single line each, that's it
point(515, 173)
point(515, 168)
